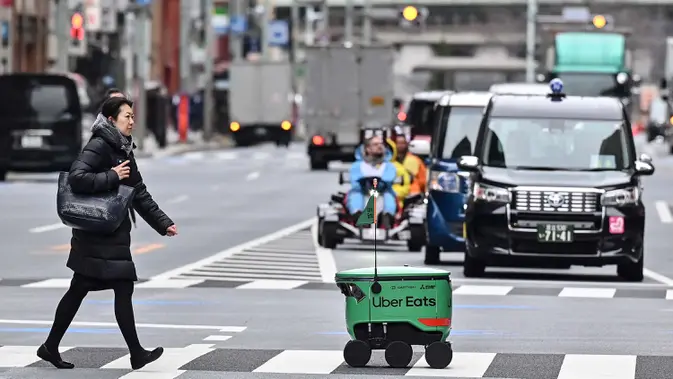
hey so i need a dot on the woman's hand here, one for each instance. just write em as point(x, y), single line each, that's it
point(172, 231)
point(122, 170)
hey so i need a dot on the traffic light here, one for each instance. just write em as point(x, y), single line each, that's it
point(600, 21)
point(413, 16)
point(77, 27)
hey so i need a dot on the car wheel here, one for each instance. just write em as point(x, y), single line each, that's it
point(631, 271)
point(473, 267)
point(431, 255)
point(318, 165)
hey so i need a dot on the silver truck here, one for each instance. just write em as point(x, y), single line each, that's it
point(261, 102)
point(346, 90)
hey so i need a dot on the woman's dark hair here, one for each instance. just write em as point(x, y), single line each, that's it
point(112, 106)
point(112, 91)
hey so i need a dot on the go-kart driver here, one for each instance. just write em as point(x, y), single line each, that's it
point(375, 162)
point(403, 182)
point(413, 164)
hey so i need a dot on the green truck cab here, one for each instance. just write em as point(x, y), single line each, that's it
point(592, 64)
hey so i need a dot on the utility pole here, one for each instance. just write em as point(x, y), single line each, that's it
point(367, 23)
point(185, 44)
point(348, 23)
point(141, 57)
point(236, 39)
point(531, 34)
point(264, 21)
point(208, 96)
point(61, 30)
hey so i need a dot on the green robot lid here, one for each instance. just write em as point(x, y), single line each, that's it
point(393, 273)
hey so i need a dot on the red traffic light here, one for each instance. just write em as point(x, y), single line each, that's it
point(77, 33)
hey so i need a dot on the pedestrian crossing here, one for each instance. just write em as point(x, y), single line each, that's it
point(281, 157)
point(182, 362)
point(232, 277)
point(284, 263)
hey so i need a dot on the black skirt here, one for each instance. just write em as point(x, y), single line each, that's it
point(95, 284)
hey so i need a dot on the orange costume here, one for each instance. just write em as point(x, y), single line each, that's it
point(418, 172)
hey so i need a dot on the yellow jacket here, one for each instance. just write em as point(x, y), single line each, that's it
point(402, 185)
point(415, 166)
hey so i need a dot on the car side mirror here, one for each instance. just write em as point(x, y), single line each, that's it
point(420, 147)
point(644, 168)
point(468, 163)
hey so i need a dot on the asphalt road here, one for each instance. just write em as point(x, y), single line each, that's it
point(243, 291)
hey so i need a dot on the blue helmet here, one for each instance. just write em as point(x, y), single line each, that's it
point(556, 86)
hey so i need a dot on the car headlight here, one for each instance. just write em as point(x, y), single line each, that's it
point(491, 194)
point(444, 181)
point(619, 197)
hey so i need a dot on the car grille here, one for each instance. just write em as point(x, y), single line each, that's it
point(536, 201)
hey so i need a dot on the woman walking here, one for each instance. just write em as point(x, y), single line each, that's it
point(103, 261)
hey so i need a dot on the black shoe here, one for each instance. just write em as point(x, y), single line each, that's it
point(141, 360)
point(54, 359)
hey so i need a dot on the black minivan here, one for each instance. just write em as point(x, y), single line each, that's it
point(40, 123)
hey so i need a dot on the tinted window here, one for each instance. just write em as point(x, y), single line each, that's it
point(462, 128)
point(43, 97)
point(589, 84)
point(555, 144)
point(420, 116)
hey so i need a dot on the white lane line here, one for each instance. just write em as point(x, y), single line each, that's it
point(664, 212)
point(236, 249)
point(657, 277)
point(326, 261)
point(47, 228)
point(177, 200)
point(217, 338)
point(221, 328)
point(252, 176)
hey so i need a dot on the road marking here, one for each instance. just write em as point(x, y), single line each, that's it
point(657, 277)
point(463, 365)
point(270, 284)
point(170, 283)
point(167, 367)
point(588, 292)
point(178, 199)
point(325, 256)
point(20, 356)
point(561, 283)
point(669, 294)
point(223, 329)
point(597, 366)
point(147, 248)
point(236, 249)
point(252, 176)
point(47, 228)
point(664, 212)
point(303, 362)
point(50, 283)
point(217, 338)
point(483, 290)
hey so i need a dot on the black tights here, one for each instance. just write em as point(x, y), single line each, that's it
point(71, 301)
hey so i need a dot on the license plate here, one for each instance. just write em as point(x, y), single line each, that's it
point(260, 131)
point(31, 142)
point(555, 233)
point(371, 234)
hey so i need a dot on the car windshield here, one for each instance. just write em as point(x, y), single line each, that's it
point(462, 128)
point(45, 99)
point(589, 84)
point(555, 144)
point(420, 116)
point(658, 111)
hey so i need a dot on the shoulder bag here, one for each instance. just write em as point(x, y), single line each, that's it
point(101, 212)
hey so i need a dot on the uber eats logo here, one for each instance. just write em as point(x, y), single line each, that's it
point(409, 301)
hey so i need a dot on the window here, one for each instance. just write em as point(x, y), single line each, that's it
point(45, 99)
point(462, 128)
point(590, 84)
point(555, 144)
point(420, 117)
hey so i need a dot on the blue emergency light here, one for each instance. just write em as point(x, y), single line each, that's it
point(556, 86)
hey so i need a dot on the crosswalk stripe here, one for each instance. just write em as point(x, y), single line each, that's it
point(303, 362)
point(205, 357)
point(50, 283)
point(482, 290)
point(588, 292)
point(20, 356)
point(598, 367)
point(273, 284)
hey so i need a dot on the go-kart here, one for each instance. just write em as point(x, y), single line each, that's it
point(335, 223)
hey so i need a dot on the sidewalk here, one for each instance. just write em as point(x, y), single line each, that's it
point(194, 142)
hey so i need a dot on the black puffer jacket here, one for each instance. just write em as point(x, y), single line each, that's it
point(108, 256)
